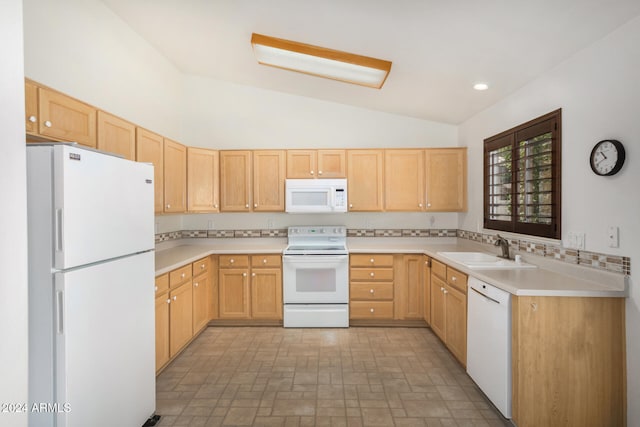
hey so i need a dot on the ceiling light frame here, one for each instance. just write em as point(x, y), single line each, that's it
point(319, 61)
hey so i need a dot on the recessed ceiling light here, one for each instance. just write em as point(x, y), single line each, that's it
point(481, 86)
point(319, 61)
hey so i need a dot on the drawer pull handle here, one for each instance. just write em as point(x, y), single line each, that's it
point(232, 260)
point(454, 278)
point(47, 123)
point(202, 267)
point(264, 261)
point(371, 310)
point(372, 291)
point(182, 275)
point(371, 261)
point(372, 274)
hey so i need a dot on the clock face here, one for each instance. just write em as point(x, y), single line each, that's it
point(607, 157)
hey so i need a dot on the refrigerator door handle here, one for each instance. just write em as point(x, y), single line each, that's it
point(58, 230)
point(60, 312)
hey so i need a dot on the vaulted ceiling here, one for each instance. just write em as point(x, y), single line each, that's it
point(439, 49)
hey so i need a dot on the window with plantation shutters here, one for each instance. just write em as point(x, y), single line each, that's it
point(522, 178)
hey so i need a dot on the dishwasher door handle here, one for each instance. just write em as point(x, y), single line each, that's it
point(484, 296)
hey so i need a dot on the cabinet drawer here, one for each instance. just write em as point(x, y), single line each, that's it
point(201, 266)
point(266, 261)
point(367, 260)
point(371, 310)
point(370, 274)
point(179, 276)
point(439, 269)
point(371, 291)
point(457, 279)
point(162, 284)
point(236, 261)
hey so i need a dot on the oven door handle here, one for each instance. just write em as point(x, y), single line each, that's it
point(314, 258)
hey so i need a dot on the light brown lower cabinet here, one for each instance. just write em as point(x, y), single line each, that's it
point(449, 308)
point(568, 361)
point(180, 317)
point(371, 286)
point(162, 321)
point(250, 287)
point(426, 291)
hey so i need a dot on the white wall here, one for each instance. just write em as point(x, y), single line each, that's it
point(13, 218)
point(83, 49)
point(224, 115)
point(599, 93)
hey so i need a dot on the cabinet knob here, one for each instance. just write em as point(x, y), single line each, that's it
point(311, 172)
point(182, 275)
point(350, 205)
point(319, 172)
point(372, 274)
point(156, 289)
point(253, 274)
point(428, 205)
point(201, 266)
point(445, 291)
point(371, 260)
point(371, 291)
point(441, 289)
point(32, 119)
point(419, 205)
point(195, 284)
point(175, 297)
point(371, 310)
point(255, 205)
point(264, 261)
point(454, 278)
point(47, 123)
point(244, 274)
point(247, 205)
point(168, 206)
point(168, 300)
point(215, 206)
point(231, 261)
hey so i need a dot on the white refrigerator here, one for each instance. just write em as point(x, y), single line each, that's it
point(91, 288)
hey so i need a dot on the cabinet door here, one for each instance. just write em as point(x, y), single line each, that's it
point(426, 291)
point(438, 319)
point(411, 299)
point(175, 176)
point(332, 164)
point(116, 135)
point(446, 179)
point(268, 180)
point(266, 293)
point(200, 301)
point(404, 180)
point(149, 149)
point(366, 179)
point(301, 163)
point(31, 107)
point(213, 288)
point(66, 119)
point(180, 317)
point(162, 330)
point(202, 180)
point(456, 323)
point(233, 288)
point(235, 181)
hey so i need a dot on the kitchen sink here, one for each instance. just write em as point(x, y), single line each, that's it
point(484, 261)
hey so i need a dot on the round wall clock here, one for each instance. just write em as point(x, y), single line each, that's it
point(607, 157)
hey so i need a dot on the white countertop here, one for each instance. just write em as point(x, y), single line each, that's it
point(551, 278)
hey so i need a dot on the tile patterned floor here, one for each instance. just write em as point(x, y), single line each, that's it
point(269, 376)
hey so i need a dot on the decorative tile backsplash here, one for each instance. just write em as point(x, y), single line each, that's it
point(612, 263)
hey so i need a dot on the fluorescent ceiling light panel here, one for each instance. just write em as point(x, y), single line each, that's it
point(320, 61)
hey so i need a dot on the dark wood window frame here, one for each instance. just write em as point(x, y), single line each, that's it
point(514, 142)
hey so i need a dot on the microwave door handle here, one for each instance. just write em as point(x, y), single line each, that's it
point(332, 198)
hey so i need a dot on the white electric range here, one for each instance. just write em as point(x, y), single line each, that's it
point(316, 277)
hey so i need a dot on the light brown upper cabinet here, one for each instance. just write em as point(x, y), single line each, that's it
point(202, 180)
point(404, 180)
point(59, 117)
point(446, 179)
point(116, 135)
point(365, 178)
point(316, 164)
point(235, 181)
point(175, 176)
point(268, 180)
point(31, 107)
point(150, 149)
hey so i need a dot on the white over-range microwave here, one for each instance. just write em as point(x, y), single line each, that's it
point(316, 195)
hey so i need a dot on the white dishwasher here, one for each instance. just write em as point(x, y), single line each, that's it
point(489, 342)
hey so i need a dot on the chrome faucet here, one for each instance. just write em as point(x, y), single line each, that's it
point(504, 246)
